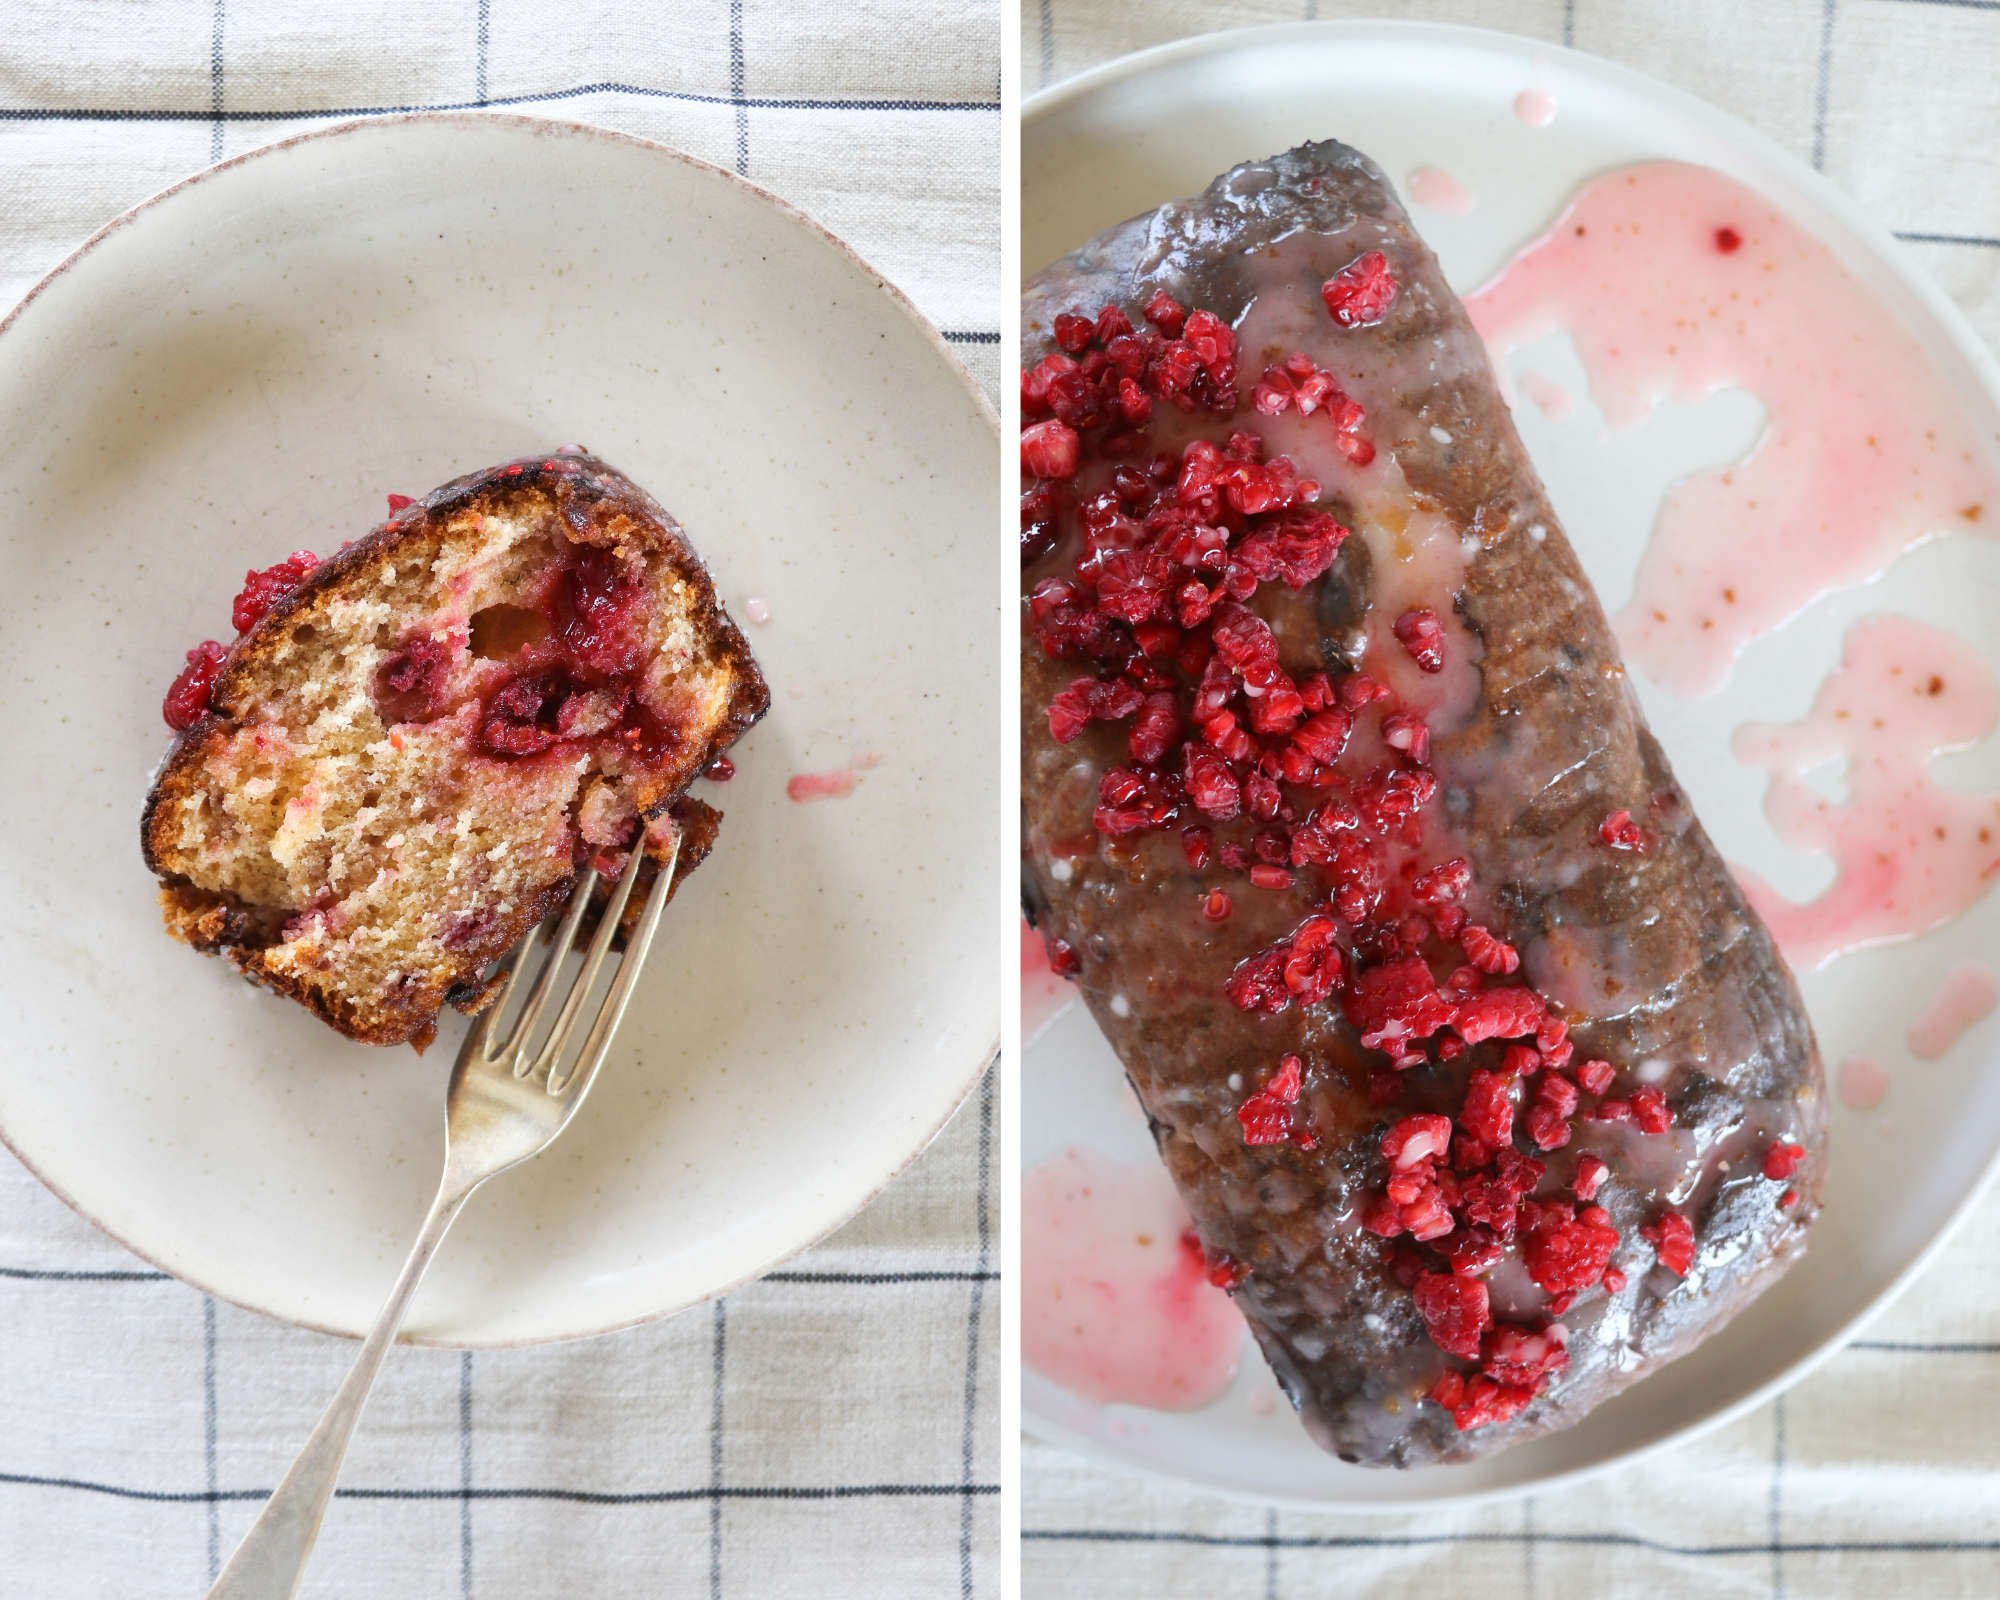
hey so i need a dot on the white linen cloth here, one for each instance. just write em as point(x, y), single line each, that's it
point(1880, 1475)
point(830, 1431)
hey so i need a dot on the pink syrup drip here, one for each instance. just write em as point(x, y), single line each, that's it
point(1967, 996)
point(1861, 1084)
point(1438, 190)
point(1551, 398)
point(1908, 854)
point(1116, 1305)
point(833, 785)
point(1673, 280)
point(1535, 107)
point(1043, 994)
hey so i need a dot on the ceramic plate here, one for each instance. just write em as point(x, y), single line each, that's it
point(1160, 125)
point(249, 363)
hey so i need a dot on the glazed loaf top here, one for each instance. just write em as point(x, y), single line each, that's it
point(1384, 840)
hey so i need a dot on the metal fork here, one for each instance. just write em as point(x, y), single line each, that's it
point(508, 1100)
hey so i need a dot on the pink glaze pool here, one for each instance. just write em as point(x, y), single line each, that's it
point(1907, 853)
point(1674, 280)
point(1116, 1305)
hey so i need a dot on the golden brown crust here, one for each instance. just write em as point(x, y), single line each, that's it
point(596, 505)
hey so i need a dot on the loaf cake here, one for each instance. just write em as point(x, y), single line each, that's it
point(412, 748)
point(1486, 1090)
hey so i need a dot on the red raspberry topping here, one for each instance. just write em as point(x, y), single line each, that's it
point(262, 590)
point(1063, 959)
point(1566, 1255)
point(1455, 1310)
point(1672, 1236)
point(1728, 241)
point(398, 501)
point(1050, 450)
point(1620, 832)
point(1488, 1112)
point(1782, 1160)
point(1649, 1110)
point(1594, 1076)
point(1416, 1140)
point(1423, 636)
point(1267, 1115)
point(1488, 954)
point(1590, 1175)
point(187, 700)
point(1360, 293)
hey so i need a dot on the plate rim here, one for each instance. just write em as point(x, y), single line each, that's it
point(983, 407)
point(1966, 343)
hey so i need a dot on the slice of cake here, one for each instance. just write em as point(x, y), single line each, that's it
point(413, 747)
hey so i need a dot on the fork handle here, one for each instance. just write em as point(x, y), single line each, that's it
point(271, 1560)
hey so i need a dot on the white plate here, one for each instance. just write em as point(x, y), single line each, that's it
point(1160, 125)
point(248, 363)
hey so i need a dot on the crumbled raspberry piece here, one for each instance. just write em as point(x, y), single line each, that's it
point(1620, 832)
point(1267, 1115)
point(1224, 1270)
point(1492, 956)
point(1357, 689)
point(1090, 698)
point(1524, 1357)
point(1472, 1251)
point(1215, 906)
point(263, 590)
point(1449, 1390)
point(1050, 449)
point(1395, 1003)
point(1360, 293)
point(1258, 982)
point(187, 699)
point(1521, 1060)
point(1314, 964)
point(1728, 241)
point(1649, 1110)
point(1444, 884)
point(1487, 1403)
point(1612, 1111)
point(1212, 787)
point(1381, 1215)
point(1415, 1140)
point(1064, 962)
point(1782, 1160)
point(1411, 735)
point(1073, 333)
point(1265, 876)
point(1498, 1014)
point(1569, 1255)
point(1488, 1112)
point(1590, 1175)
point(1163, 313)
point(1672, 1235)
point(1423, 636)
point(1455, 1310)
point(398, 501)
point(1594, 1076)
point(1614, 1281)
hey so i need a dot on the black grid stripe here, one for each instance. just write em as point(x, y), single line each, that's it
point(976, 1304)
point(210, 1448)
point(1493, 1537)
point(482, 50)
point(541, 97)
point(465, 1475)
point(1822, 83)
point(736, 86)
point(719, 1322)
point(215, 109)
point(582, 1497)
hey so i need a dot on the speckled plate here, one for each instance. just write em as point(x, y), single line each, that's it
point(1159, 125)
point(249, 363)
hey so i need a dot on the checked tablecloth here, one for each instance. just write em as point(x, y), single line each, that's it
point(831, 1430)
point(1880, 1475)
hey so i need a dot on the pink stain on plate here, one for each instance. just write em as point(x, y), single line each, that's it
point(1116, 1305)
point(1908, 853)
point(1862, 1083)
point(756, 610)
point(1969, 995)
point(1676, 281)
point(1535, 107)
point(1551, 398)
point(832, 785)
point(1437, 190)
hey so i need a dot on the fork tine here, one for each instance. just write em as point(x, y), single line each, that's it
point(600, 947)
point(523, 1032)
point(608, 1014)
